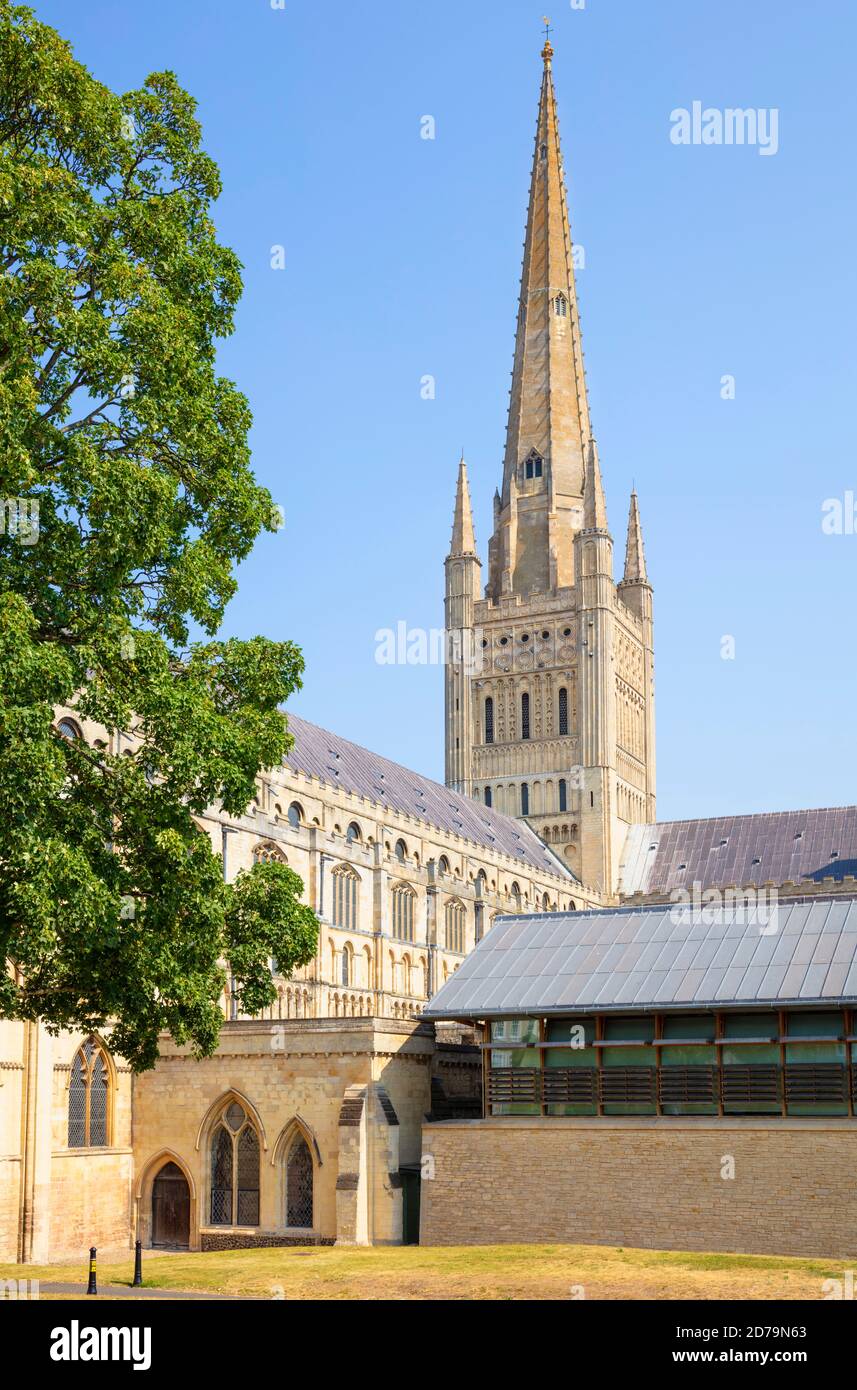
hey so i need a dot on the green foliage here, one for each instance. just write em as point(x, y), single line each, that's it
point(113, 292)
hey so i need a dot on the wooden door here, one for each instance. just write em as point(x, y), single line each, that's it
point(171, 1208)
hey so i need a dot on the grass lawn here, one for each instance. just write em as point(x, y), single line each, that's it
point(464, 1272)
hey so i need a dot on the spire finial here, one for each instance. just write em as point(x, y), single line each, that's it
point(547, 51)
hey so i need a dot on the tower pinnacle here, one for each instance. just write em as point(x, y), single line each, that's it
point(463, 533)
point(594, 506)
point(635, 555)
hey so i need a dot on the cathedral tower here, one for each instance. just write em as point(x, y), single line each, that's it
point(556, 722)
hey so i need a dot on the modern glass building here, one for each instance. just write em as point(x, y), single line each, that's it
point(666, 1011)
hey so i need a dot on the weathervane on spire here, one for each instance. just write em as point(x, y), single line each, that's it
point(547, 51)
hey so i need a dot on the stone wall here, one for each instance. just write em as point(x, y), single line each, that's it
point(292, 1076)
point(654, 1184)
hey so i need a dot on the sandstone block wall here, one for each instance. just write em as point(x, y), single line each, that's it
point(646, 1183)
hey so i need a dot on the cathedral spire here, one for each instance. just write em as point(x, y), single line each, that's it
point(463, 533)
point(635, 555)
point(594, 506)
point(548, 423)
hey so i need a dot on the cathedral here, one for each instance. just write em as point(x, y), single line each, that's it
point(556, 724)
point(307, 1125)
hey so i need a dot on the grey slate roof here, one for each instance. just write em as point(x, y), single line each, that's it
point(627, 959)
point(342, 764)
point(775, 848)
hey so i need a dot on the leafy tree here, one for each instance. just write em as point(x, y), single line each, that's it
point(115, 424)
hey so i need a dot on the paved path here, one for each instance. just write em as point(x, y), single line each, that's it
point(125, 1291)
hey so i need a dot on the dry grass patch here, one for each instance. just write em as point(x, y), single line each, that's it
point(465, 1273)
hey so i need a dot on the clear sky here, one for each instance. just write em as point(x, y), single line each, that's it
point(402, 257)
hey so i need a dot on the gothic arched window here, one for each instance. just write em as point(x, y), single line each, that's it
point(403, 912)
point(489, 720)
point(345, 883)
point(560, 305)
point(88, 1095)
point(525, 799)
point(234, 1169)
point(534, 465)
point(525, 716)
point(299, 1185)
point(455, 922)
point(268, 853)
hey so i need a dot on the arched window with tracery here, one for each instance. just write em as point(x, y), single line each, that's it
point(455, 925)
point(560, 305)
point(345, 882)
point(563, 712)
point(235, 1169)
point(268, 853)
point(403, 912)
point(88, 1098)
point(299, 1185)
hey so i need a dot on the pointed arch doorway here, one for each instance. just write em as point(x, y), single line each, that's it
point(170, 1209)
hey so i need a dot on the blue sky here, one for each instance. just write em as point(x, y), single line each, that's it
point(402, 259)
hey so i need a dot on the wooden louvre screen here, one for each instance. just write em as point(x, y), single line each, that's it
point(808, 1083)
point(570, 1086)
point(751, 1084)
point(514, 1086)
point(628, 1086)
point(687, 1085)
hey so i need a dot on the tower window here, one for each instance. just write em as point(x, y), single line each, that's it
point(543, 151)
point(560, 305)
point(534, 466)
point(563, 794)
point(489, 720)
point(525, 716)
point(525, 799)
point(563, 712)
point(488, 796)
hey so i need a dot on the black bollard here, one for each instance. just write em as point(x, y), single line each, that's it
point(138, 1266)
point(92, 1287)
